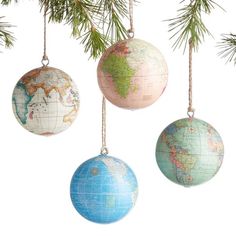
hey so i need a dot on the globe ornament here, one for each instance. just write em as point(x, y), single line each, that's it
point(189, 152)
point(103, 189)
point(132, 74)
point(45, 101)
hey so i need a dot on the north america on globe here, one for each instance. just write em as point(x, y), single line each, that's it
point(189, 152)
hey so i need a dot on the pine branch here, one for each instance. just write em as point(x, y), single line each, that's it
point(6, 2)
point(113, 11)
point(80, 14)
point(77, 13)
point(228, 47)
point(6, 36)
point(94, 42)
point(96, 23)
point(188, 24)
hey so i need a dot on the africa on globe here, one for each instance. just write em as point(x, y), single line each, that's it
point(103, 189)
point(45, 101)
point(189, 152)
point(132, 74)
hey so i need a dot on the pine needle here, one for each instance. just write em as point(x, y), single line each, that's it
point(6, 36)
point(189, 24)
point(96, 23)
point(228, 47)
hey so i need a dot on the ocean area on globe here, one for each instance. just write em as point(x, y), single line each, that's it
point(189, 152)
point(45, 101)
point(103, 189)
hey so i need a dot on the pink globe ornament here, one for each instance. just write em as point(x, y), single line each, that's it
point(132, 74)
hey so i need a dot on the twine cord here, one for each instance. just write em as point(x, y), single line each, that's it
point(190, 90)
point(104, 149)
point(45, 60)
point(131, 18)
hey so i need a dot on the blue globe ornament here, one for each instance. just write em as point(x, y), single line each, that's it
point(103, 189)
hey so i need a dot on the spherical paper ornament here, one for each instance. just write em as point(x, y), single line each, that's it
point(45, 101)
point(103, 189)
point(132, 74)
point(189, 151)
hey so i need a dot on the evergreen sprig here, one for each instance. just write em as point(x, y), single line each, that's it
point(112, 14)
point(189, 24)
point(228, 47)
point(96, 23)
point(6, 36)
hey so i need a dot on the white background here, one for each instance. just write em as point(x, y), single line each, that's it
point(35, 171)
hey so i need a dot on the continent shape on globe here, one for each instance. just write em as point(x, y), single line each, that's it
point(132, 74)
point(45, 101)
point(189, 152)
point(103, 189)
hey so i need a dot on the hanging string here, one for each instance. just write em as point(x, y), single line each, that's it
point(104, 149)
point(131, 18)
point(190, 91)
point(45, 60)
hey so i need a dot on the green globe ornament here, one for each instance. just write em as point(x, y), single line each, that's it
point(189, 152)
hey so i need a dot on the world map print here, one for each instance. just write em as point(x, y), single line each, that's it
point(45, 101)
point(104, 189)
point(132, 74)
point(189, 151)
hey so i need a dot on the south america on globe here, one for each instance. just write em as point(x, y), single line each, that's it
point(132, 74)
point(45, 101)
point(189, 152)
point(103, 189)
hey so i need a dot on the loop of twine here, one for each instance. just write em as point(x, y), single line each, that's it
point(131, 19)
point(104, 149)
point(190, 114)
point(45, 60)
point(190, 91)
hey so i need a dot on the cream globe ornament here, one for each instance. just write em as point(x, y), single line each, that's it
point(132, 73)
point(45, 100)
